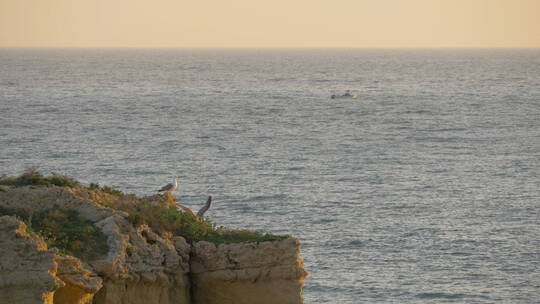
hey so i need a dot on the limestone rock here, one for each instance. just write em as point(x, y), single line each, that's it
point(27, 268)
point(81, 282)
point(141, 265)
point(39, 199)
point(241, 273)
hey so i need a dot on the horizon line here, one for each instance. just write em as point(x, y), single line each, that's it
point(269, 47)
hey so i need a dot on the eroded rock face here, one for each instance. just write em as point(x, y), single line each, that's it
point(140, 266)
point(266, 273)
point(39, 199)
point(30, 273)
point(81, 282)
point(27, 268)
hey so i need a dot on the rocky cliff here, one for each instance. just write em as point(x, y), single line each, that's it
point(141, 266)
point(265, 273)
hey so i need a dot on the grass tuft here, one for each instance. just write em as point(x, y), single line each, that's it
point(66, 231)
point(106, 189)
point(32, 177)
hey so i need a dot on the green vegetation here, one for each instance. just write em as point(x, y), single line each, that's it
point(32, 177)
point(63, 229)
point(66, 231)
point(106, 189)
point(163, 218)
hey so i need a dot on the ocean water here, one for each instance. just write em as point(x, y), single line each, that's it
point(424, 189)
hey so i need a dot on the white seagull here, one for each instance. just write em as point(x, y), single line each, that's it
point(170, 187)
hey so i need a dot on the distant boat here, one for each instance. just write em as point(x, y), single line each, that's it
point(347, 94)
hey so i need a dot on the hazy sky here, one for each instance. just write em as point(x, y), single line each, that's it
point(270, 23)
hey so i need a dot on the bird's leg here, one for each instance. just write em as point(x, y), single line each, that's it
point(170, 199)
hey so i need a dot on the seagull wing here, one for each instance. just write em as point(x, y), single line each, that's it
point(166, 187)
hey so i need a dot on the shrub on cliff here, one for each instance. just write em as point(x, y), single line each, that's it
point(161, 217)
point(62, 229)
point(32, 177)
point(106, 189)
point(66, 231)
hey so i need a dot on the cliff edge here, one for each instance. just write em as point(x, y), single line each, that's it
point(139, 262)
point(264, 273)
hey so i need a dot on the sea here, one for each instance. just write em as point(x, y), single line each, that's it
point(423, 189)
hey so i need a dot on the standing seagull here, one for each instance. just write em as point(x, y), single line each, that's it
point(170, 187)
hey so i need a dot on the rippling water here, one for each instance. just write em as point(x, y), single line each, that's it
point(425, 189)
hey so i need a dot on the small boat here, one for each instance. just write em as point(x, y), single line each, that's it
point(347, 94)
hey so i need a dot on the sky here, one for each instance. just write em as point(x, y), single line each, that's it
point(271, 23)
